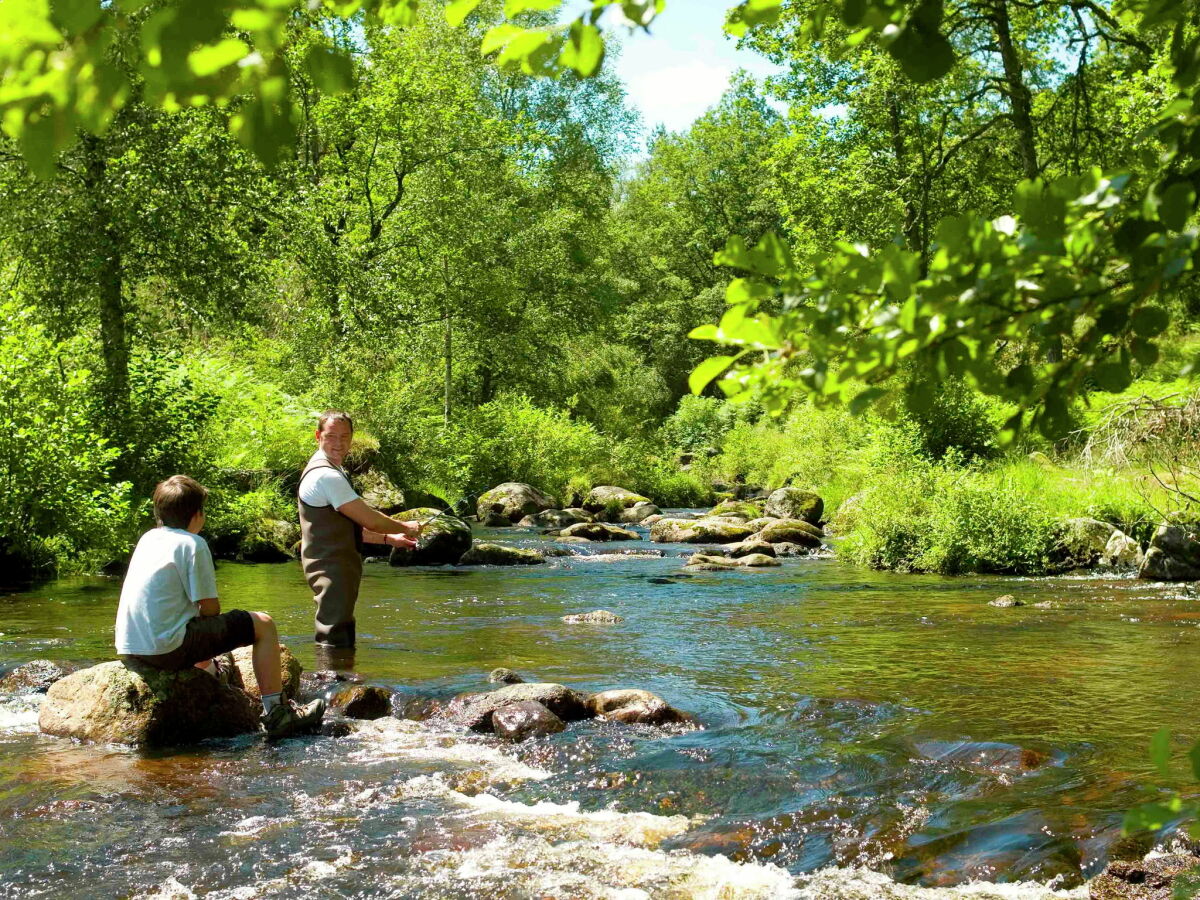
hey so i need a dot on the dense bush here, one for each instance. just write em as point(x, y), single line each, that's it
point(59, 508)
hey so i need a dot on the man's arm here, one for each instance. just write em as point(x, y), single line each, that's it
point(210, 606)
point(377, 527)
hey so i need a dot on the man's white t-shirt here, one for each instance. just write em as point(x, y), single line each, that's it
point(170, 573)
point(326, 486)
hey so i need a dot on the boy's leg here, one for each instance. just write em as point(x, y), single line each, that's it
point(267, 667)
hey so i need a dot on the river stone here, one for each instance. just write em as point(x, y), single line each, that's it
point(758, 561)
point(747, 547)
point(698, 531)
point(633, 706)
point(1148, 879)
point(511, 502)
point(1122, 552)
point(483, 553)
point(416, 708)
point(789, 548)
point(600, 498)
point(268, 541)
point(502, 675)
point(707, 562)
point(595, 617)
point(638, 513)
point(599, 531)
point(736, 509)
point(1006, 602)
point(792, 531)
point(793, 503)
point(475, 710)
point(443, 541)
point(555, 518)
point(525, 718)
point(379, 492)
point(35, 676)
point(1174, 553)
point(243, 674)
point(127, 702)
point(362, 701)
point(762, 522)
point(1082, 542)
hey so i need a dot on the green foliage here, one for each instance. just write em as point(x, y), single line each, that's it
point(59, 507)
point(950, 417)
point(233, 514)
point(701, 423)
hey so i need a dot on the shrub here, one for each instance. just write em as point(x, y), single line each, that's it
point(701, 423)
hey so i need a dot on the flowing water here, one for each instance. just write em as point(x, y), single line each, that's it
point(865, 735)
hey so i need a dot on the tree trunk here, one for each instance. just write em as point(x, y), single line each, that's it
point(114, 338)
point(912, 235)
point(1019, 98)
point(449, 371)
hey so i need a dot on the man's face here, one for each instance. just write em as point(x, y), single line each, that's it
point(334, 441)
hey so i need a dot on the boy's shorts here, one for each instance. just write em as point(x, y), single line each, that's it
point(206, 637)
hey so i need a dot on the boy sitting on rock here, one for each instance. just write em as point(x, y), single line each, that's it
point(169, 616)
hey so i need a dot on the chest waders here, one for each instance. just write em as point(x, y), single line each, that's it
point(331, 554)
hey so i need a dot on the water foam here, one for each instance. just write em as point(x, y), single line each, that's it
point(389, 739)
point(19, 713)
point(865, 884)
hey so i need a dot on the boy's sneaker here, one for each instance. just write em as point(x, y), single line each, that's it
point(287, 719)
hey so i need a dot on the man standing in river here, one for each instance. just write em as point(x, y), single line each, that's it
point(334, 524)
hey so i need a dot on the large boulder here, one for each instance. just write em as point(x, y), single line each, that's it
point(698, 531)
point(752, 545)
point(607, 496)
point(475, 710)
point(706, 562)
point(127, 702)
point(793, 503)
point(362, 701)
point(638, 513)
point(483, 553)
point(443, 541)
point(633, 706)
point(1081, 542)
point(243, 673)
point(379, 492)
point(1174, 553)
point(556, 518)
point(35, 676)
point(791, 531)
point(510, 502)
point(742, 510)
point(268, 541)
point(599, 531)
point(525, 718)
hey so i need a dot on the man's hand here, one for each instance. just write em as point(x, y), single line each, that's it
point(399, 541)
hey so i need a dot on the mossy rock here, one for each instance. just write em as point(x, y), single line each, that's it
point(378, 491)
point(483, 553)
point(698, 531)
point(600, 498)
point(791, 531)
point(794, 503)
point(599, 531)
point(508, 503)
point(742, 509)
point(442, 542)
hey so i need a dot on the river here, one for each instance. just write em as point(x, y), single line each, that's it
point(866, 735)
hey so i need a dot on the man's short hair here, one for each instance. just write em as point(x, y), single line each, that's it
point(177, 500)
point(333, 415)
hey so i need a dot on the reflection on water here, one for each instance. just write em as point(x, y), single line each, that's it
point(866, 735)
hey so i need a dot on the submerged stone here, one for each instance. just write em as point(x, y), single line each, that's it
point(475, 710)
point(484, 553)
point(596, 617)
point(1006, 602)
point(362, 701)
point(1153, 878)
point(35, 676)
point(523, 719)
point(633, 706)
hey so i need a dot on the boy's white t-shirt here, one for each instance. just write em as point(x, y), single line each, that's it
point(326, 486)
point(170, 573)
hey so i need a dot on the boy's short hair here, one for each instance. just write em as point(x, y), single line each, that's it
point(177, 500)
point(333, 415)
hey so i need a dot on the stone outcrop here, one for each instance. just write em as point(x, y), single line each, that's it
point(791, 531)
point(243, 674)
point(510, 502)
point(475, 710)
point(1081, 543)
point(556, 518)
point(607, 496)
point(379, 492)
point(442, 542)
point(35, 676)
point(793, 503)
point(131, 703)
point(698, 531)
point(633, 706)
point(595, 617)
point(599, 531)
point(484, 553)
point(524, 719)
point(1174, 553)
point(362, 701)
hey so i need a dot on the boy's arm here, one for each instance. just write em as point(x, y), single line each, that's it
point(210, 606)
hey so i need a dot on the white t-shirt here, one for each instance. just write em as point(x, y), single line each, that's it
point(170, 573)
point(326, 486)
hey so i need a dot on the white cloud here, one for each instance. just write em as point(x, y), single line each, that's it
point(675, 96)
